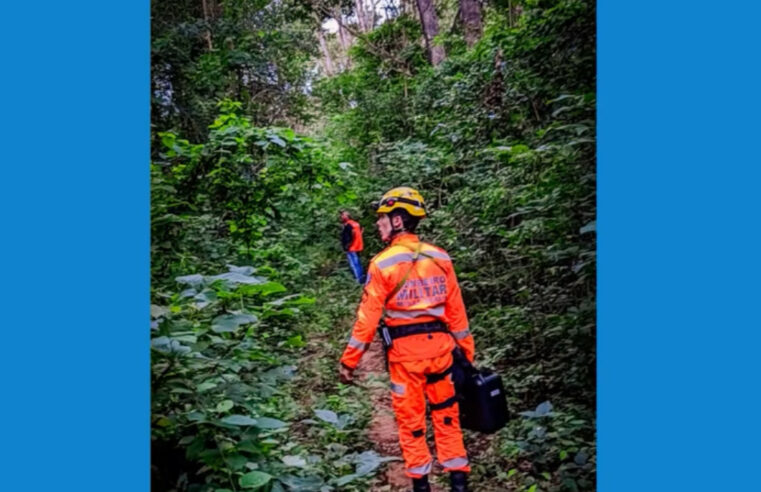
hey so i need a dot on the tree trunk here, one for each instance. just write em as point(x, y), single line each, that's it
point(374, 13)
point(327, 61)
point(359, 11)
point(430, 24)
point(345, 39)
point(207, 33)
point(470, 12)
point(343, 36)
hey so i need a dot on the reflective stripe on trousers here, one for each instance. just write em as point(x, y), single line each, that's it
point(458, 462)
point(421, 470)
point(397, 388)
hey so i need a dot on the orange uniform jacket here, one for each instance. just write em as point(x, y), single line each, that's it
point(430, 293)
point(356, 244)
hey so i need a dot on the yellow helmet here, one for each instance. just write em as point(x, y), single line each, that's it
point(403, 198)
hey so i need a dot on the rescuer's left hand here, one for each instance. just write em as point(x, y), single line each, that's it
point(345, 374)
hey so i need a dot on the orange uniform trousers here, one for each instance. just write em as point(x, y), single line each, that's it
point(409, 388)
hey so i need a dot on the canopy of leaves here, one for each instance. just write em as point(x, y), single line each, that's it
point(252, 51)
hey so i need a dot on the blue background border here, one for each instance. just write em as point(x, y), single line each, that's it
point(678, 206)
point(679, 182)
point(75, 252)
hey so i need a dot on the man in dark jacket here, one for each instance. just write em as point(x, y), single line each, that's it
point(351, 241)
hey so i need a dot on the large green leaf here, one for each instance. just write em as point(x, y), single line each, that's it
point(339, 421)
point(277, 140)
point(187, 293)
point(368, 461)
point(590, 227)
point(343, 420)
point(544, 409)
point(206, 386)
point(240, 420)
point(234, 278)
point(169, 346)
point(248, 446)
point(243, 270)
point(231, 322)
point(294, 461)
point(302, 484)
point(269, 423)
point(236, 461)
point(268, 288)
point(327, 415)
point(254, 479)
point(224, 405)
point(282, 373)
point(204, 298)
point(581, 458)
point(341, 481)
point(158, 311)
point(293, 299)
point(193, 280)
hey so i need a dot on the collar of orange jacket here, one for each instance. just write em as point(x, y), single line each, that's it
point(406, 237)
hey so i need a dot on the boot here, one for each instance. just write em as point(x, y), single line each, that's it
point(459, 481)
point(421, 484)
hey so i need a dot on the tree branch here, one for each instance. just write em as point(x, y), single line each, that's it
point(456, 20)
point(375, 50)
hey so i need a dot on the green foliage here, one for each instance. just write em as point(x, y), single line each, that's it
point(224, 345)
point(371, 101)
point(500, 139)
point(253, 51)
point(554, 450)
point(223, 407)
point(246, 186)
point(218, 364)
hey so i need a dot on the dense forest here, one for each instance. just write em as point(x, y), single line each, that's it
point(269, 117)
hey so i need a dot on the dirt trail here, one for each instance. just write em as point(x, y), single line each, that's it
point(383, 432)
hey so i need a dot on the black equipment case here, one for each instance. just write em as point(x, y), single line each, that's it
point(483, 406)
point(481, 395)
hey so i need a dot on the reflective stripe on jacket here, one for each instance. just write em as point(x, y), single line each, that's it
point(430, 292)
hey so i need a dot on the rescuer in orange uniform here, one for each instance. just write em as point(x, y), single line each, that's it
point(351, 241)
point(411, 286)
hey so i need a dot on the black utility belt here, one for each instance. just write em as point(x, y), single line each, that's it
point(417, 329)
point(390, 333)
